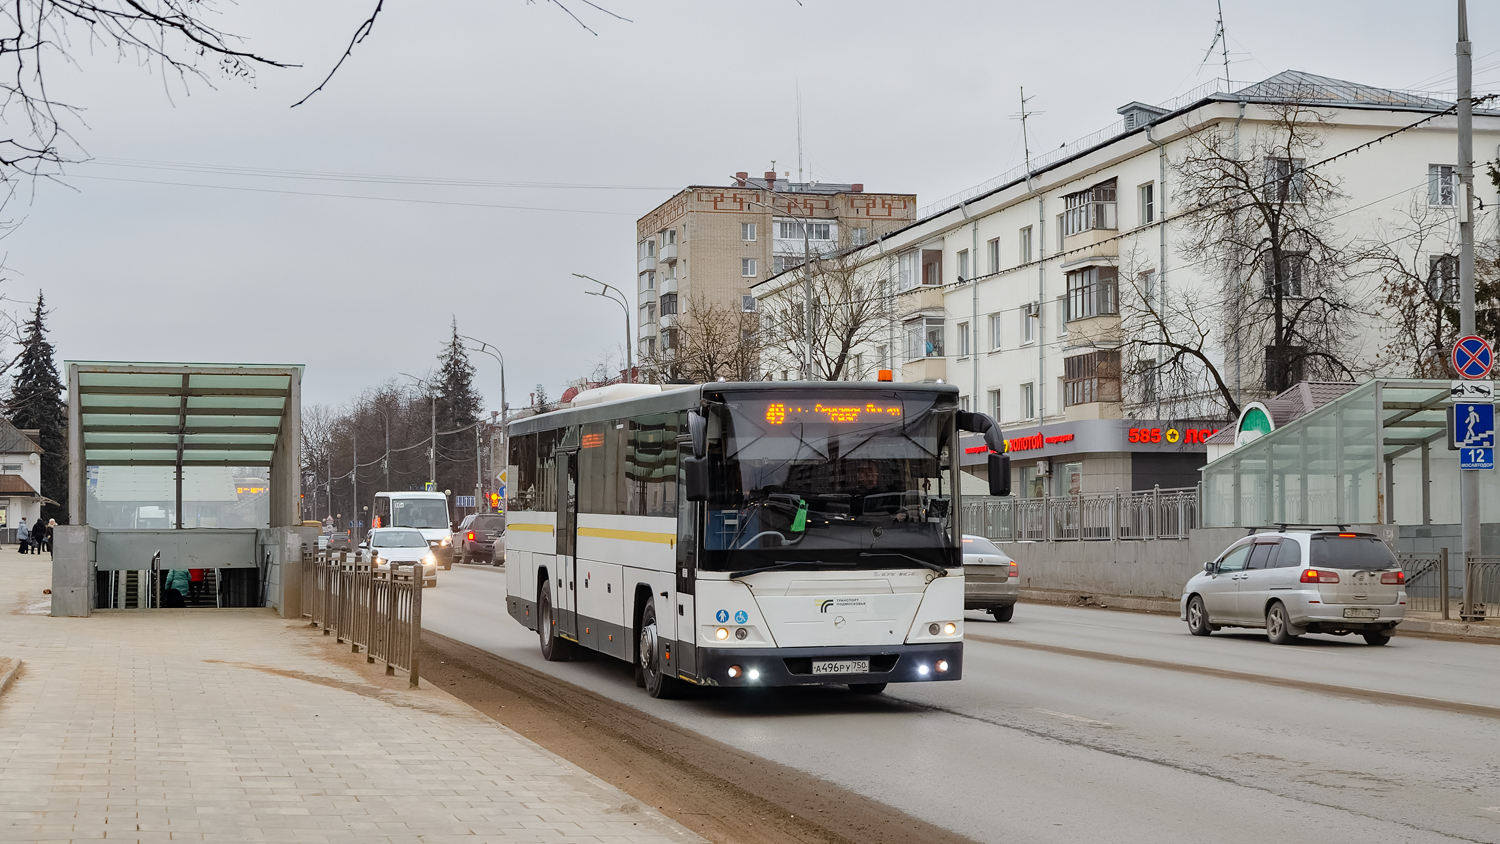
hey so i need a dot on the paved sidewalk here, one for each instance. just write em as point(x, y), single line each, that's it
point(234, 725)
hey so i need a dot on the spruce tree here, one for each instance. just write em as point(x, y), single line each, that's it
point(36, 402)
point(458, 406)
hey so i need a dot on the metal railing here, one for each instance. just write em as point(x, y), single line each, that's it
point(1093, 516)
point(378, 611)
point(1481, 595)
point(1427, 587)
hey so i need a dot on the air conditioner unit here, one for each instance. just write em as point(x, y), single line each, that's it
point(1044, 467)
point(1033, 308)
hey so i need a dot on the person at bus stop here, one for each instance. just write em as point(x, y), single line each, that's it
point(178, 585)
point(23, 536)
point(51, 526)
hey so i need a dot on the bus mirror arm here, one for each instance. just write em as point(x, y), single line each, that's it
point(999, 461)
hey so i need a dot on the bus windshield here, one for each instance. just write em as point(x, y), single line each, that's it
point(848, 478)
point(429, 513)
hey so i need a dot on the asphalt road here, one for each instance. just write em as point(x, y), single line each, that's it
point(1078, 724)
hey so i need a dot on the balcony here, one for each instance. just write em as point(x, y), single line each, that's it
point(646, 264)
point(924, 369)
point(667, 320)
point(920, 298)
point(667, 285)
point(667, 254)
point(646, 298)
point(646, 331)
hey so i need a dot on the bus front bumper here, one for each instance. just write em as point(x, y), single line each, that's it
point(794, 666)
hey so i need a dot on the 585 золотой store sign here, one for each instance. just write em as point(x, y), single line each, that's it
point(1095, 436)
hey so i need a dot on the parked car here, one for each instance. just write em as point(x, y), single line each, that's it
point(480, 536)
point(991, 579)
point(339, 541)
point(1292, 582)
point(402, 549)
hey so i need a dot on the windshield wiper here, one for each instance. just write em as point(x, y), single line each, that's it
point(941, 570)
point(739, 574)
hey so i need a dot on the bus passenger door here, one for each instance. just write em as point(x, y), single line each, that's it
point(567, 543)
point(687, 571)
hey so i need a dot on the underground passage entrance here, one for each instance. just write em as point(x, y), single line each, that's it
point(184, 487)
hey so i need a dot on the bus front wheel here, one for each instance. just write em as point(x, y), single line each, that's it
point(554, 647)
point(658, 684)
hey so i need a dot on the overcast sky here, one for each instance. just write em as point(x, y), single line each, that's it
point(144, 263)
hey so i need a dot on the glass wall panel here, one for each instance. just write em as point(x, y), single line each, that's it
point(145, 497)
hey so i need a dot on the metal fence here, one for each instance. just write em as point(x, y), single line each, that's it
point(1481, 589)
point(1148, 514)
point(366, 608)
point(1431, 587)
point(1427, 587)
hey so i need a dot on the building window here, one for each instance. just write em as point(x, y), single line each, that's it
point(963, 264)
point(932, 267)
point(1092, 292)
point(782, 263)
point(963, 402)
point(1026, 245)
point(860, 236)
point(1147, 195)
point(1442, 278)
point(1062, 316)
point(993, 247)
point(1028, 400)
point(1442, 184)
point(648, 314)
point(995, 320)
point(648, 346)
point(648, 281)
point(648, 248)
point(792, 230)
point(995, 405)
point(1284, 179)
point(1091, 377)
point(669, 237)
point(924, 338)
point(1060, 232)
point(668, 339)
point(907, 267)
point(747, 267)
point(1090, 209)
point(1031, 315)
point(668, 303)
point(880, 352)
point(747, 232)
point(1292, 270)
point(963, 339)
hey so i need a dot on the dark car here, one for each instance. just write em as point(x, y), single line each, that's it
point(339, 541)
point(480, 537)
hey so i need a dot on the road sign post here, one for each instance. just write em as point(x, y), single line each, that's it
point(1472, 357)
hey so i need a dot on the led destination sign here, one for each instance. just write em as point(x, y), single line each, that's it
point(780, 413)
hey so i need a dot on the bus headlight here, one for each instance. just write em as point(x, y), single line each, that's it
point(754, 674)
point(721, 634)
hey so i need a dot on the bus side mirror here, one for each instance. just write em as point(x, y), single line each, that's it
point(698, 432)
point(999, 474)
point(695, 478)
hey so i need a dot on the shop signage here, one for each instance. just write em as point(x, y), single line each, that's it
point(1094, 435)
point(1170, 435)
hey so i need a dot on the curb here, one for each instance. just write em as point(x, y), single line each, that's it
point(496, 569)
point(9, 676)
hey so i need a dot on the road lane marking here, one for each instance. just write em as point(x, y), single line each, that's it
point(1368, 695)
point(1079, 718)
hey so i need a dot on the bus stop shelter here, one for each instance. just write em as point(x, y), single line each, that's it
point(181, 466)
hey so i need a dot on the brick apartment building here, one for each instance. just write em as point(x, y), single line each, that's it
point(708, 244)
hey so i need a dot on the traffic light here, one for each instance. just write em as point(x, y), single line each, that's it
point(494, 501)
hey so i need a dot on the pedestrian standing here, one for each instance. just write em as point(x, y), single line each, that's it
point(51, 526)
point(23, 536)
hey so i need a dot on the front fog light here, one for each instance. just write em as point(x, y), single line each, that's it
point(734, 671)
point(949, 629)
point(754, 674)
point(942, 666)
point(922, 670)
point(933, 628)
point(721, 634)
point(741, 633)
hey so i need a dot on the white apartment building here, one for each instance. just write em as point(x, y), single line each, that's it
point(1014, 290)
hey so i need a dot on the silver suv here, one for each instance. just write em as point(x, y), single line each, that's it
point(1292, 582)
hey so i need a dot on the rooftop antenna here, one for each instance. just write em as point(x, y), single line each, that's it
point(1025, 140)
point(1221, 40)
point(799, 129)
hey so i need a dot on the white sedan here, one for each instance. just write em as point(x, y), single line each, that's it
point(403, 548)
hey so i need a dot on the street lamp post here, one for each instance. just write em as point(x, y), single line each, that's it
point(624, 303)
point(493, 352)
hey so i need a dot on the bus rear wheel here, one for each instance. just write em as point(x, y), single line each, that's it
point(657, 683)
point(554, 647)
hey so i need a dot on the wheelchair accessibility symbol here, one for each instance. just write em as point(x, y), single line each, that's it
point(741, 617)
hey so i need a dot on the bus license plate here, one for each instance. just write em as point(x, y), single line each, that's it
point(841, 666)
point(1359, 613)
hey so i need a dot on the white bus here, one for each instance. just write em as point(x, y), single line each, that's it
point(747, 534)
point(425, 511)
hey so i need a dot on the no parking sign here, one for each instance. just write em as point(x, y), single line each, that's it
point(1472, 357)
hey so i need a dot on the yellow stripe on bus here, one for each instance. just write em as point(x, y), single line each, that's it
point(630, 535)
point(523, 526)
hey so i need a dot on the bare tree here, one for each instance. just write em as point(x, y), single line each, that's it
point(1261, 217)
point(709, 341)
point(851, 309)
point(1417, 261)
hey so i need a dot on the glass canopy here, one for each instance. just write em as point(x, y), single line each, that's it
point(1376, 455)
